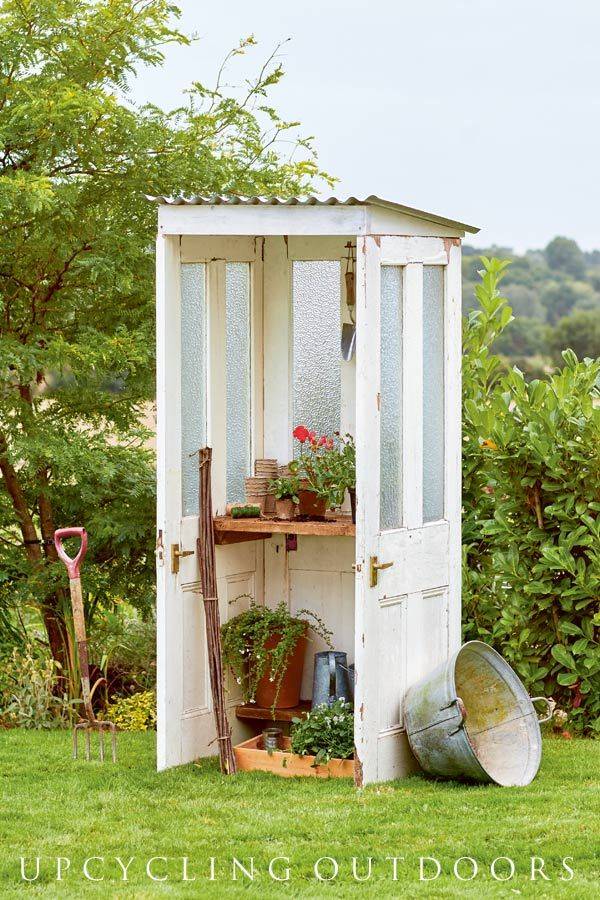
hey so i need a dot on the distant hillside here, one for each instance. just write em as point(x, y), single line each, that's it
point(555, 297)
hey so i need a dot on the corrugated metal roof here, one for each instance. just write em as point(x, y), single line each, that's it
point(372, 200)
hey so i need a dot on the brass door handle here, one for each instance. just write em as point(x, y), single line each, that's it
point(375, 567)
point(176, 555)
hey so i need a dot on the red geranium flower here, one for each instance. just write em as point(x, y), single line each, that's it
point(301, 433)
point(322, 440)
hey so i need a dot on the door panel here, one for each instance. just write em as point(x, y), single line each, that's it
point(408, 336)
point(206, 358)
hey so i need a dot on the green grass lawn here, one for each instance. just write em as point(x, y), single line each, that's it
point(53, 806)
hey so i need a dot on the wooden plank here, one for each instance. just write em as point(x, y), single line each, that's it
point(262, 714)
point(366, 643)
point(168, 444)
point(340, 526)
point(261, 220)
point(224, 538)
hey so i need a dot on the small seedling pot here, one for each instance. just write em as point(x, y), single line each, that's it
point(285, 509)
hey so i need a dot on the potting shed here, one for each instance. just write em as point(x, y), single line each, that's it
point(251, 302)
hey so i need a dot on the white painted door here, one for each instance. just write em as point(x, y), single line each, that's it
point(208, 353)
point(408, 483)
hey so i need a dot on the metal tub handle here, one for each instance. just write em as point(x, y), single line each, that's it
point(462, 711)
point(549, 708)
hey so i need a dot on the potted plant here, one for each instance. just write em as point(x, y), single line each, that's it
point(265, 648)
point(326, 467)
point(286, 491)
point(325, 733)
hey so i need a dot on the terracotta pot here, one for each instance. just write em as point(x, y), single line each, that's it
point(311, 505)
point(289, 692)
point(285, 509)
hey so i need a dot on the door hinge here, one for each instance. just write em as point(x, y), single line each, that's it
point(159, 551)
point(375, 567)
point(176, 555)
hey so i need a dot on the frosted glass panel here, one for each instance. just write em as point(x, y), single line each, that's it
point(316, 345)
point(193, 379)
point(433, 393)
point(391, 398)
point(237, 311)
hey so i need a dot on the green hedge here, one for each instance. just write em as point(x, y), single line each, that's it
point(531, 526)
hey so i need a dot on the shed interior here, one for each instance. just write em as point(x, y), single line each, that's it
point(261, 321)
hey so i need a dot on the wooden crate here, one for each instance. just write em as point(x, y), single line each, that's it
point(250, 757)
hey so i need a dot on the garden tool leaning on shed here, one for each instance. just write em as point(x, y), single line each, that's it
point(89, 723)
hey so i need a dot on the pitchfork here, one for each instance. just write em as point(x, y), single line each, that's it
point(90, 722)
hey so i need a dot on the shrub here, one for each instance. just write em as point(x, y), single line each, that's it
point(326, 732)
point(28, 696)
point(531, 530)
point(135, 713)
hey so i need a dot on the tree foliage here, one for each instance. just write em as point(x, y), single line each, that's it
point(531, 526)
point(77, 271)
point(548, 290)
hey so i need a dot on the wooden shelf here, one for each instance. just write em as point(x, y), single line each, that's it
point(229, 531)
point(251, 711)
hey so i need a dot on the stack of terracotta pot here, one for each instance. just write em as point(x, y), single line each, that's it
point(257, 486)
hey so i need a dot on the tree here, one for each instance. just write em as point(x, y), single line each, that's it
point(76, 276)
point(564, 255)
point(559, 298)
point(523, 337)
point(580, 332)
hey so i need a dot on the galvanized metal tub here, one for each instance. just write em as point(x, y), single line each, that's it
point(472, 718)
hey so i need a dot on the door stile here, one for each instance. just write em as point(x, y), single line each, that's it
point(368, 401)
point(216, 382)
point(453, 431)
point(168, 465)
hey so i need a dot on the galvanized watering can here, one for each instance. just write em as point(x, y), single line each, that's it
point(472, 718)
point(330, 680)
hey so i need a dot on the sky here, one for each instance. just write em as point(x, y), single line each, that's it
point(480, 110)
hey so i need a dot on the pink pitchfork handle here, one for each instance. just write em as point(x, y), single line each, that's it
point(72, 564)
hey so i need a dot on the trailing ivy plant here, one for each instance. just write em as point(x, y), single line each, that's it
point(326, 732)
point(531, 528)
point(244, 644)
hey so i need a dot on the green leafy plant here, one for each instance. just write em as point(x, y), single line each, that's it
point(327, 464)
point(531, 525)
point(326, 732)
point(244, 643)
point(135, 713)
point(27, 691)
point(285, 488)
